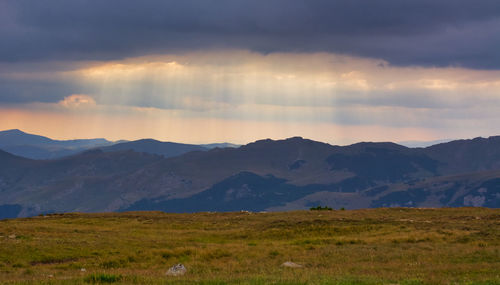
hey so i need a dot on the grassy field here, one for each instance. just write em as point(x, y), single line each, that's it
point(380, 246)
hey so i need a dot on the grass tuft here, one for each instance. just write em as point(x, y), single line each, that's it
point(102, 278)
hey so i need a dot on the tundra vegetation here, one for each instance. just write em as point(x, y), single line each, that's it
point(376, 246)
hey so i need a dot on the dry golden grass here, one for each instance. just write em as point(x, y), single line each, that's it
point(380, 246)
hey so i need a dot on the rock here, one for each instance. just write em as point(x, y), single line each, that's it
point(177, 270)
point(291, 265)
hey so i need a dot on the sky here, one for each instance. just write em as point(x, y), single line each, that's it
point(201, 71)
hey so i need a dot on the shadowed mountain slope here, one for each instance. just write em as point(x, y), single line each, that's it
point(83, 182)
point(463, 156)
point(11, 165)
point(294, 173)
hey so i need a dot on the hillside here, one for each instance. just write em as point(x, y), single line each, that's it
point(463, 156)
point(378, 246)
point(289, 174)
point(83, 182)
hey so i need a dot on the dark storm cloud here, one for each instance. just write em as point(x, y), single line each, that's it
point(22, 91)
point(411, 32)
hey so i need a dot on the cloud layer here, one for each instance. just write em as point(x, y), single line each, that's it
point(295, 92)
point(204, 70)
point(414, 32)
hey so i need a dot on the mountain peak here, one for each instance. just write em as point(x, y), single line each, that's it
point(144, 141)
point(386, 145)
point(14, 131)
point(297, 138)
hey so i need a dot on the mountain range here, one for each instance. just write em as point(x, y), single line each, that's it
point(266, 175)
point(38, 147)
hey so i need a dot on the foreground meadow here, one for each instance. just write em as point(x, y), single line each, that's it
point(379, 246)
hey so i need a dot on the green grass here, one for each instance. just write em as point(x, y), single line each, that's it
point(102, 278)
point(380, 246)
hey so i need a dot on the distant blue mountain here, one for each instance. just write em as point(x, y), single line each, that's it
point(17, 137)
point(414, 144)
point(220, 145)
point(39, 147)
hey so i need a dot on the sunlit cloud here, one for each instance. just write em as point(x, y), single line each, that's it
point(295, 93)
point(77, 101)
point(282, 79)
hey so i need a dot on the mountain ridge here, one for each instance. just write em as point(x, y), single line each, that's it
point(166, 149)
point(39, 147)
point(33, 146)
point(365, 174)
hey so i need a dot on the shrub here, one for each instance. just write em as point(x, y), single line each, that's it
point(319, 208)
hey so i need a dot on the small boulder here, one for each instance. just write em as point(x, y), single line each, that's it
point(290, 264)
point(177, 270)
